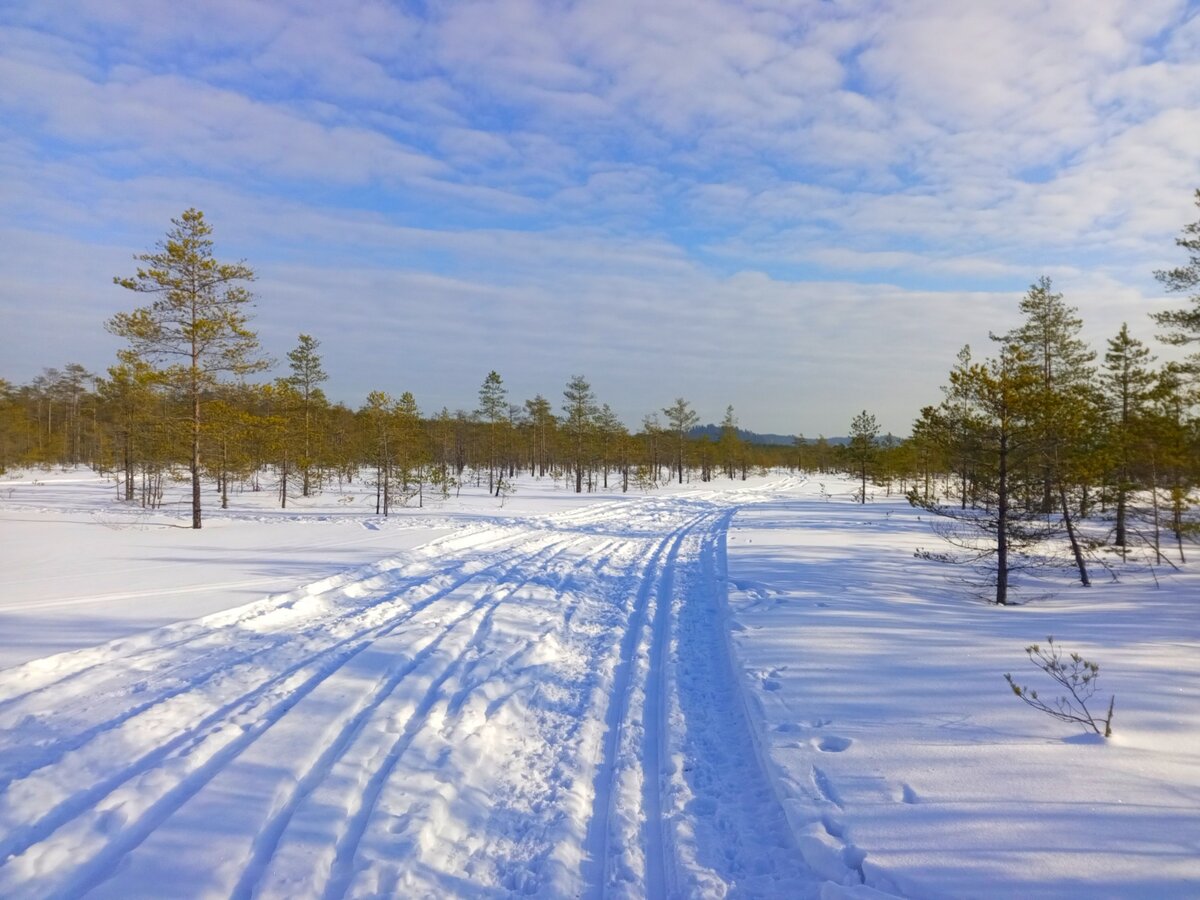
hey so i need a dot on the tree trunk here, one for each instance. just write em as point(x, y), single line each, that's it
point(1002, 525)
point(307, 444)
point(224, 475)
point(1074, 539)
point(127, 453)
point(1121, 539)
point(195, 454)
point(283, 483)
point(1177, 494)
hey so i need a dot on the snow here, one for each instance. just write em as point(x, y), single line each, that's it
point(734, 689)
point(896, 747)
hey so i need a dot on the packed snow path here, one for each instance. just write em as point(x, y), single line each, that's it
point(539, 707)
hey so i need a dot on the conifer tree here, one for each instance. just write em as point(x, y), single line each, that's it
point(493, 410)
point(863, 432)
point(411, 448)
point(732, 455)
point(1049, 339)
point(128, 394)
point(580, 410)
point(652, 434)
point(306, 379)
point(994, 397)
point(378, 413)
point(1174, 452)
point(196, 328)
point(1183, 325)
point(540, 418)
point(681, 419)
point(237, 429)
point(1050, 344)
point(608, 433)
point(1127, 382)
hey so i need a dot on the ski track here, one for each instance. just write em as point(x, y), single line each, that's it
point(543, 706)
point(202, 748)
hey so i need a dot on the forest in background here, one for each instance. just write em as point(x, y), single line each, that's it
point(1042, 442)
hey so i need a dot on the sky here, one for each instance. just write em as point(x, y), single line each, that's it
point(800, 209)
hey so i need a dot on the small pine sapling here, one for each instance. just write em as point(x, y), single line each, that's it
point(1078, 676)
point(504, 489)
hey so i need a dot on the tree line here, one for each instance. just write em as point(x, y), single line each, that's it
point(139, 424)
point(1028, 447)
point(181, 398)
point(1043, 453)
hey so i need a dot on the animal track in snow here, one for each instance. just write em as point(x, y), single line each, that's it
point(770, 679)
point(833, 744)
point(825, 787)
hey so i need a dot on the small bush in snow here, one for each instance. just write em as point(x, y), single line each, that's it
point(1077, 676)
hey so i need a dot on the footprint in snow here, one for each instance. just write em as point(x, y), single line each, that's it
point(770, 678)
point(824, 787)
point(908, 795)
point(833, 744)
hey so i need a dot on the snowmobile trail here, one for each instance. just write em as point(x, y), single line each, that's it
point(543, 706)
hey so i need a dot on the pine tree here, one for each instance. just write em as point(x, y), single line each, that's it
point(994, 399)
point(411, 448)
point(541, 423)
point(128, 395)
point(608, 433)
point(1183, 325)
point(863, 432)
point(196, 328)
point(1127, 382)
point(306, 378)
point(1063, 404)
point(377, 412)
point(1174, 451)
point(493, 410)
point(681, 419)
point(731, 450)
point(580, 420)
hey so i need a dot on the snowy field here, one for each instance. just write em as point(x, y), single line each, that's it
point(739, 689)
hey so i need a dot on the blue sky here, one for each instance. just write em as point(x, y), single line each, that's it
point(798, 208)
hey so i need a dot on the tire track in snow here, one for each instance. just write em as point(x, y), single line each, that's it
point(277, 695)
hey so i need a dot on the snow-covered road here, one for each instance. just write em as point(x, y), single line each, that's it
point(542, 706)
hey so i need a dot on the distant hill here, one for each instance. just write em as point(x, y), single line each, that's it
point(753, 437)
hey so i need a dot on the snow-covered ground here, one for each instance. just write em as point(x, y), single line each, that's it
point(746, 689)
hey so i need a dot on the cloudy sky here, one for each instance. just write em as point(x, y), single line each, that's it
point(798, 208)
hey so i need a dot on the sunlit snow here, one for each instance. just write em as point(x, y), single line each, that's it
point(738, 688)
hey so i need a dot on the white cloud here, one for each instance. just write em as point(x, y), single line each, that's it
point(565, 187)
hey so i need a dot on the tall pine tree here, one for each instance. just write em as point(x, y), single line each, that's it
point(196, 328)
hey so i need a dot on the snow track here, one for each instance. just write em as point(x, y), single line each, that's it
point(530, 707)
